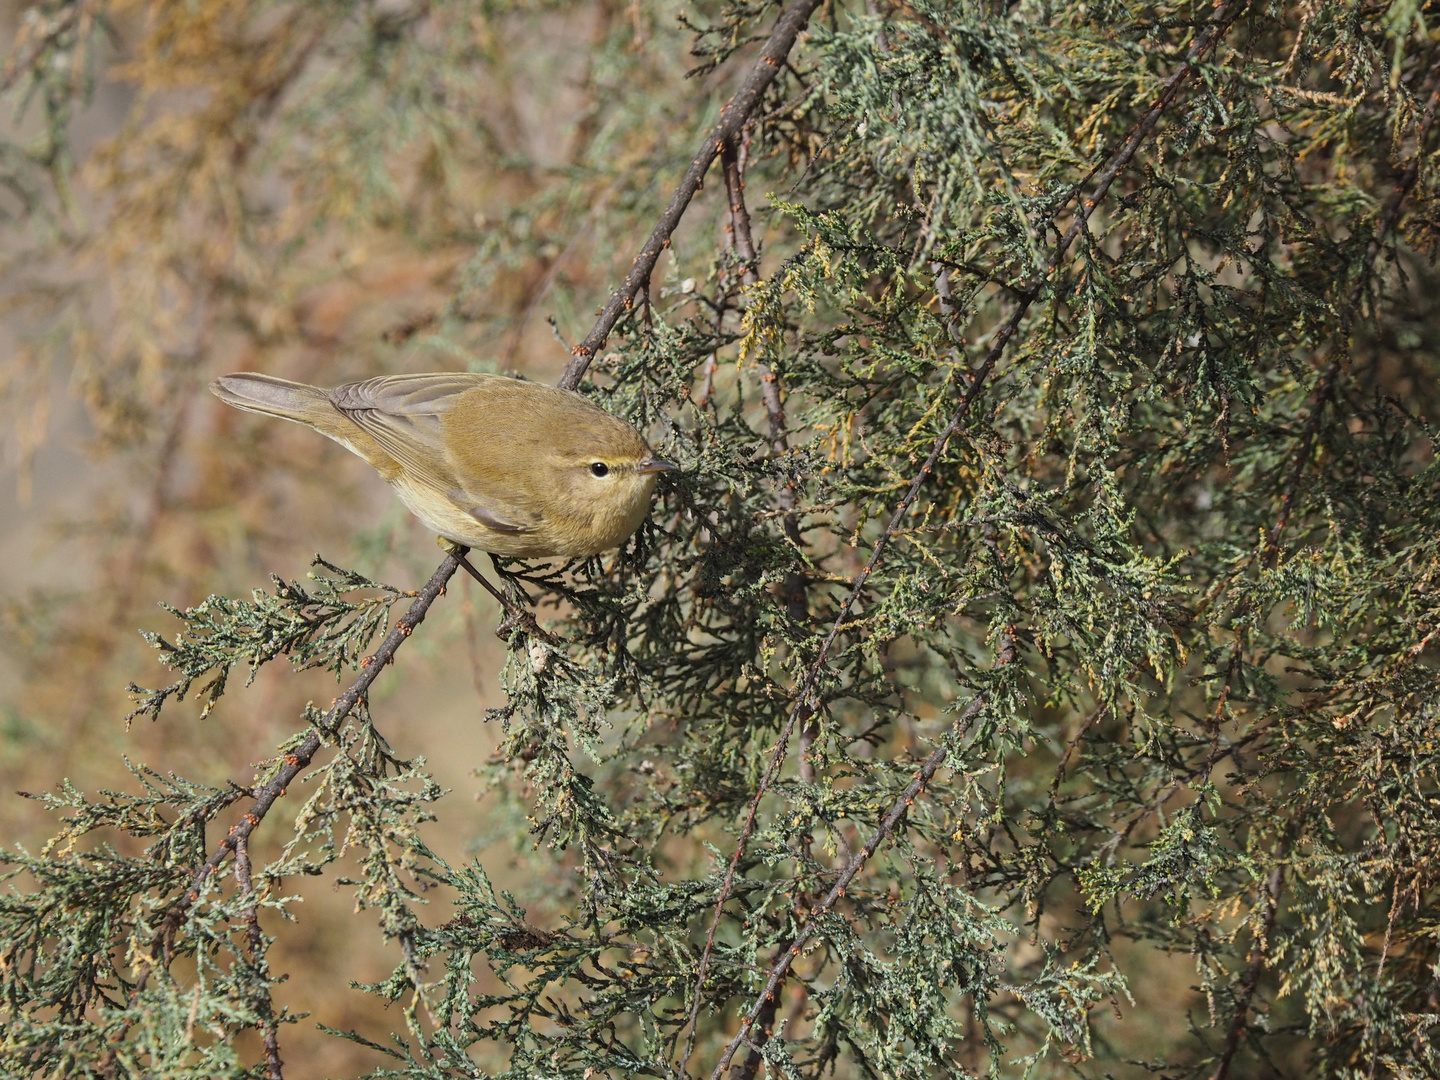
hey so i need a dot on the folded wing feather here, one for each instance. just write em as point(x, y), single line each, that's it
point(402, 413)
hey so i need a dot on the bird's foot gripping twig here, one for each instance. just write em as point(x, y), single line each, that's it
point(515, 615)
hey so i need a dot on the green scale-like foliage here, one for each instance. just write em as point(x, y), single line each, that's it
point(1167, 600)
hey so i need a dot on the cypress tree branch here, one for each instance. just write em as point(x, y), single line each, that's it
point(255, 943)
point(764, 1027)
point(1274, 886)
point(733, 117)
point(762, 1016)
point(297, 761)
point(738, 228)
point(1226, 14)
point(738, 235)
point(1404, 184)
point(892, 821)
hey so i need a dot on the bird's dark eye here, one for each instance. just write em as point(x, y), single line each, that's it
point(599, 469)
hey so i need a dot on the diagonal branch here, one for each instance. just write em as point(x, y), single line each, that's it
point(733, 117)
point(299, 759)
point(763, 1024)
point(887, 827)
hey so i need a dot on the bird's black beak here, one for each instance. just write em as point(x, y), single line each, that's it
point(656, 465)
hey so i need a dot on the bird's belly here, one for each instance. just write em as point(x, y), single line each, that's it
point(565, 530)
point(450, 521)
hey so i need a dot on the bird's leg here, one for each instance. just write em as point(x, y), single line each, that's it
point(515, 615)
point(511, 589)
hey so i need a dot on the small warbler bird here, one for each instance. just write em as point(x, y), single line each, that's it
point(509, 467)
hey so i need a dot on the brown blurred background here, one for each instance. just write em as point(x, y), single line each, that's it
point(324, 195)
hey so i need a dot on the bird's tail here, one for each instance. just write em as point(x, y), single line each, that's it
point(266, 394)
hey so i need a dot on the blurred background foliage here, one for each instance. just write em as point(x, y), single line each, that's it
point(321, 191)
point(1167, 597)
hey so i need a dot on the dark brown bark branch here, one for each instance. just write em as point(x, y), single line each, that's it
point(733, 117)
point(299, 759)
point(738, 227)
point(764, 1027)
point(742, 244)
point(1226, 14)
point(888, 825)
point(255, 944)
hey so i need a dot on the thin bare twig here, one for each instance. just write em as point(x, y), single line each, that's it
point(733, 117)
point(738, 231)
point(738, 226)
point(1064, 761)
point(515, 615)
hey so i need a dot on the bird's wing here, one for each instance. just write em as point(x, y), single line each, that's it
point(402, 413)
